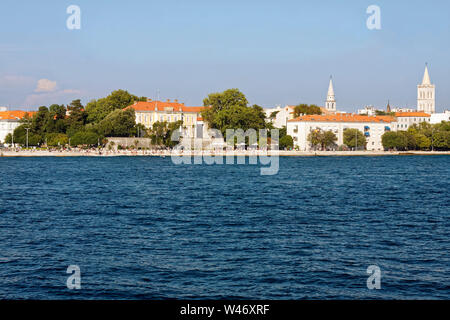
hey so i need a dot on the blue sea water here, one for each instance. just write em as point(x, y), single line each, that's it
point(144, 228)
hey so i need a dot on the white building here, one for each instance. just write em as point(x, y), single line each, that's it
point(368, 111)
point(403, 110)
point(9, 121)
point(150, 111)
point(407, 119)
point(426, 94)
point(330, 103)
point(279, 116)
point(372, 127)
point(439, 117)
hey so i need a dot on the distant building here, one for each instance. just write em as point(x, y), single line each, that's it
point(407, 119)
point(279, 116)
point(9, 121)
point(368, 111)
point(372, 127)
point(426, 94)
point(439, 117)
point(402, 110)
point(150, 111)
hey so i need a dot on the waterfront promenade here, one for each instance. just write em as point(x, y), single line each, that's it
point(239, 153)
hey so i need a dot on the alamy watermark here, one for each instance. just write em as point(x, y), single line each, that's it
point(374, 20)
point(73, 22)
point(374, 280)
point(74, 280)
point(259, 150)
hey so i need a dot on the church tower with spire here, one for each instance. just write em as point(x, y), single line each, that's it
point(330, 104)
point(426, 94)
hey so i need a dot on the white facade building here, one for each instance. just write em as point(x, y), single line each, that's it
point(426, 94)
point(368, 111)
point(439, 117)
point(372, 127)
point(7, 126)
point(9, 121)
point(407, 119)
point(279, 116)
point(151, 111)
point(402, 110)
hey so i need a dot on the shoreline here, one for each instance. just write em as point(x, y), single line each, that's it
point(123, 153)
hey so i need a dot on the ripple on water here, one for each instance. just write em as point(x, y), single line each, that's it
point(143, 228)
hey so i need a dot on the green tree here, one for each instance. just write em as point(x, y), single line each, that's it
point(400, 141)
point(315, 138)
point(87, 138)
point(384, 113)
point(8, 139)
point(58, 111)
point(140, 131)
point(304, 109)
point(161, 133)
point(441, 140)
point(322, 139)
point(97, 110)
point(229, 110)
point(328, 139)
point(273, 115)
point(353, 138)
point(20, 134)
point(119, 123)
point(34, 139)
point(286, 142)
point(40, 121)
point(77, 117)
point(57, 139)
point(423, 142)
point(408, 139)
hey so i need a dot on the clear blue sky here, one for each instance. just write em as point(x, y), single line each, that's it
point(276, 52)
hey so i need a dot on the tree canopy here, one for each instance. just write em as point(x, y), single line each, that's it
point(119, 123)
point(57, 124)
point(353, 138)
point(322, 139)
point(97, 110)
point(423, 136)
point(304, 109)
point(161, 133)
point(230, 110)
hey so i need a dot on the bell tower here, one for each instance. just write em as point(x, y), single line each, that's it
point(426, 94)
point(330, 103)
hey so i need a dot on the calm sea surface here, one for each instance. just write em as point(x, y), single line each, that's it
point(144, 228)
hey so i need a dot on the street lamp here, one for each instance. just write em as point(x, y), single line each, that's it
point(182, 122)
point(27, 135)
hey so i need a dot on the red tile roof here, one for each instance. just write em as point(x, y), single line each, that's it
point(15, 115)
point(343, 117)
point(164, 106)
point(412, 114)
